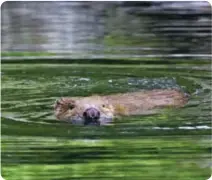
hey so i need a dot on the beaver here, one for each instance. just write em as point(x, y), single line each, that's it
point(102, 109)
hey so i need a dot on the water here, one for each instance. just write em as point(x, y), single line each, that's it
point(94, 48)
point(107, 29)
point(172, 144)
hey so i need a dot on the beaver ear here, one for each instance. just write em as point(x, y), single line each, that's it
point(57, 102)
point(55, 105)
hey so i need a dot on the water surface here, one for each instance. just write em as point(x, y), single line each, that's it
point(174, 144)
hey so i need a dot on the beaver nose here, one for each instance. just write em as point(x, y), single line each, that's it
point(91, 115)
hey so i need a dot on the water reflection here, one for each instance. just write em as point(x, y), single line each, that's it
point(102, 29)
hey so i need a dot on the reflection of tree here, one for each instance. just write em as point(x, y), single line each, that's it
point(185, 34)
point(20, 28)
point(184, 27)
point(90, 27)
point(181, 27)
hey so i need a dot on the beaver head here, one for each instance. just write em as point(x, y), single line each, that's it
point(88, 110)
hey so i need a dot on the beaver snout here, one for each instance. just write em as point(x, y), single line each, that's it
point(91, 116)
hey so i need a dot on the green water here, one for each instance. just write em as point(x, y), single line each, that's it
point(174, 144)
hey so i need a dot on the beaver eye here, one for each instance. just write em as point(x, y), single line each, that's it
point(103, 105)
point(71, 106)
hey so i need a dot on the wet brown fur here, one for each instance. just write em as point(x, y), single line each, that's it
point(132, 103)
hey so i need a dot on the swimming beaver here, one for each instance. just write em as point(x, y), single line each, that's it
point(102, 109)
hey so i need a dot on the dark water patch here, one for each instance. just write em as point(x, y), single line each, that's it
point(118, 61)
